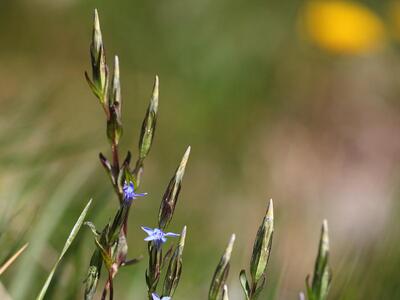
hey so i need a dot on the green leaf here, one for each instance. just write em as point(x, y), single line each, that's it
point(94, 88)
point(245, 284)
point(106, 257)
point(310, 293)
point(117, 224)
point(259, 287)
point(68, 243)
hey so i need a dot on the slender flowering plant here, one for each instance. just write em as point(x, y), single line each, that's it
point(111, 246)
point(111, 242)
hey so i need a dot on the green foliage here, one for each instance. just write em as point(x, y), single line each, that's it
point(110, 244)
point(68, 243)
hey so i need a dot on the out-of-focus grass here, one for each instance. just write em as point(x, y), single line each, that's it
point(266, 114)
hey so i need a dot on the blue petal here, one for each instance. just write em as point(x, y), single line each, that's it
point(148, 230)
point(150, 238)
point(155, 296)
point(171, 234)
point(141, 194)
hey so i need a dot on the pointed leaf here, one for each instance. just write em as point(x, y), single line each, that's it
point(68, 243)
point(245, 284)
point(12, 259)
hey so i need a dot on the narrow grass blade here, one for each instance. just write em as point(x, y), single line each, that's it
point(68, 243)
point(52, 213)
point(11, 260)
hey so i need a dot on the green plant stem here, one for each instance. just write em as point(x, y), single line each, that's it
point(114, 150)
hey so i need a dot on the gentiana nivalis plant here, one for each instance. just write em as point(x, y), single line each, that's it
point(111, 247)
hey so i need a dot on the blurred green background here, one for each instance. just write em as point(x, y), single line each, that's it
point(292, 100)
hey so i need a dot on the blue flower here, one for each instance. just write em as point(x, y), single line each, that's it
point(157, 235)
point(156, 297)
point(129, 191)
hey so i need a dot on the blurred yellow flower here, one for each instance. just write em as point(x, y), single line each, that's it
point(343, 27)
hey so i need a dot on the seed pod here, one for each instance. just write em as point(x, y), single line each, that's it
point(322, 274)
point(114, 121)
point(154, 270)
point(149, 123)
point(221, 273)
point(225, 295)
point(245, 284)
point(115, 91)
point(175, 267)
point(93, 275)
point(170, 197)
point(262, 246)
point(99, 80)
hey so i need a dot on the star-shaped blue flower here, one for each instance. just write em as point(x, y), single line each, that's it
point(157, 235)
point(129, 191)
point(156, 297)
